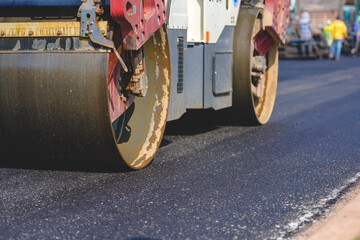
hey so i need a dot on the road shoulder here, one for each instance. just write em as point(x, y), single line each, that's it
point(342, 223)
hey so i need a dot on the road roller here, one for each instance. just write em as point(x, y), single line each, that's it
point(96, 81)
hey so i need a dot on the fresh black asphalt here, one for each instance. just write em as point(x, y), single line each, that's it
point(209, 180)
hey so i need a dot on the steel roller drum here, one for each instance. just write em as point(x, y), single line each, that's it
point(54, 107)
point(246, 106)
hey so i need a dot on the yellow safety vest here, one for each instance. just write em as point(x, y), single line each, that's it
point(340, 30)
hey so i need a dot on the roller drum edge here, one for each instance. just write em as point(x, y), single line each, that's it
point(247, 108)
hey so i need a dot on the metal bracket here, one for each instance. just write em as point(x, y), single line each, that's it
point(89, 28)
point(258, 4)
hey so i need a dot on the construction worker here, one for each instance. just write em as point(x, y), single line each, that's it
point(304, 30)
point(328, 31)
point(356, 33)
point(339, 34)
point(356, 48)
point(355, 30)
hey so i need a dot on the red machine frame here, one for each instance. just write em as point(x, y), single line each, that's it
point(276, 21)
point(138, 19)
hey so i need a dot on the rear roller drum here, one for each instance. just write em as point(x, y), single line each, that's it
point(254, 76)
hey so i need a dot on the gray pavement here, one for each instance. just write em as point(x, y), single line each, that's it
point(209, 180)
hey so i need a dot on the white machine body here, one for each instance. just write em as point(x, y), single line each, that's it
point(204, 20)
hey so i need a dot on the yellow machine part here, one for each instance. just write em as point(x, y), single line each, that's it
point(46, 29)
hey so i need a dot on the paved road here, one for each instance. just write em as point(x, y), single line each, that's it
point(209, 181)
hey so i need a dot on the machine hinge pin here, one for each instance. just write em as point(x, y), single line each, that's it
point(122, 63)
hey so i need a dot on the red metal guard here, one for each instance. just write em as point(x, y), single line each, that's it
point(280, 16)
point(276, 23)
point(138, 20)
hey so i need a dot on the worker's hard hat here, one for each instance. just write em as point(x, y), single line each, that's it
point(305, 17)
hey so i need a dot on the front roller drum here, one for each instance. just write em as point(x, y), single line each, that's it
point(254, 76)
point(54, 106)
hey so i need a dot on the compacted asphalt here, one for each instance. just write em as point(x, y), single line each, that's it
point(209, 180)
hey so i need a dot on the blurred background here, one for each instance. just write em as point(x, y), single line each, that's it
point(321, 13)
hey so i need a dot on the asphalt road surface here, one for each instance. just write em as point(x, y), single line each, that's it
point(209, 180)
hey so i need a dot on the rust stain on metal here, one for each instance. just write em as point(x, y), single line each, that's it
point(159, 113)
point(45, 29)
point(152, 58)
